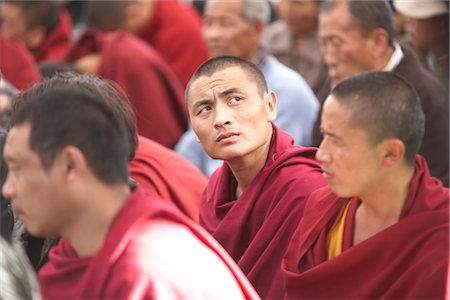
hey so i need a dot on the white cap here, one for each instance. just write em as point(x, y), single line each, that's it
point(421, 9)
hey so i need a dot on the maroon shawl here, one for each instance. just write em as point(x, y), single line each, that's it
point(108, 275)
point(17, 64)
point(165, 173)
point(175, 31)
point(407, 260)
point(154, 90)
point(256, 228)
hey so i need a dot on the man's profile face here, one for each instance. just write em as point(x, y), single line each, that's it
point(229, 115)
point(345, 50)
point(227, 32)
point(350, 165)
point(33, 191)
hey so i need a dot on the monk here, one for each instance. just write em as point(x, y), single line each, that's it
point(43, 26)
point(380, 229)
point(155, 92)
point(253, 202)
point(173, 28)
point(68, 176)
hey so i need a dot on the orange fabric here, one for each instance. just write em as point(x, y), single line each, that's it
point(336, 233)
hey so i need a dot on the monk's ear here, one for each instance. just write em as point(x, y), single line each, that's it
point(393, 151)
point(270, 103)
point(35, 37)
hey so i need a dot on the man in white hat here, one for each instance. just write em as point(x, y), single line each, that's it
point(428, 25)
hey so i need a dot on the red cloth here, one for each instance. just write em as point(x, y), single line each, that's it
point(56, 44)
point(124, 267)
point(256, 228)
point(17, 64)
point(154, 91)
point(405, 261)
point(175, 30)
point(165, 173)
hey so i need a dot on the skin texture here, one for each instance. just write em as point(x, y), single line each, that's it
point(226, 31)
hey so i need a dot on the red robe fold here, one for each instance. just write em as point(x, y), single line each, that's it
point(256, 228)
point(407, 260)
point(142, 258)
point(56, 44)
point(154, 90)
point(175, 31)
point(167, 174)
point(17, 64)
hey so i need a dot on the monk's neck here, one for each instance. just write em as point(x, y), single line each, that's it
point(381, 207)
point(90, 224)
point(245, 169)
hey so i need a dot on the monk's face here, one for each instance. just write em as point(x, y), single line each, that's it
point(351, 166)
point(35, 192)
point(230, 116)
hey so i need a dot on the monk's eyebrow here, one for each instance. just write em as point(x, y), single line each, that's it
point(202, 103)
point(229, 91)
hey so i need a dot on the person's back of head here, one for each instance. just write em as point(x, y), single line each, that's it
point(66, 116)
point(29, 21)
point(107, 91)
point(384, 105)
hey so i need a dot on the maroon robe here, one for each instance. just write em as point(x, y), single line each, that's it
point(124, 267)
point(406, 260)
point(175, 31)
point(56, 43)
point(154, 90)
point(256, 228)
point(165, 173)
point(17, 64)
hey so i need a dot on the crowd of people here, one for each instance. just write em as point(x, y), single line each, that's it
point(246, 149)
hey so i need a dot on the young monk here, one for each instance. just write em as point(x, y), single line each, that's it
point(380, 230)
point(254, 201)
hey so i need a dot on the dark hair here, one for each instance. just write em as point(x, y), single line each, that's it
point(106, 90)
point(39, 13)
point(385, 105)
point(106, 14)
point(367, 15)
point(66, 116)
point(213, 65)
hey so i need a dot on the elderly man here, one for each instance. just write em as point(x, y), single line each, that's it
point(235, 28)
point(380, 230)
point(357, 36)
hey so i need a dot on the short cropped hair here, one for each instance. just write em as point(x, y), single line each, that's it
point(367, 15)
point(216, 64)
point(384, 105)
point(253, 10)
point(38, 13)
point(69, 116)
point(106, 90)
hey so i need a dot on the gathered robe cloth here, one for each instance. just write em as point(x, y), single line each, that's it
point(256, 228)
point(154, 90)
point(151, 251)
point(56, 43)
point(175, 31)
point(17, 64)
point(406, 260)
point(165, 173)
